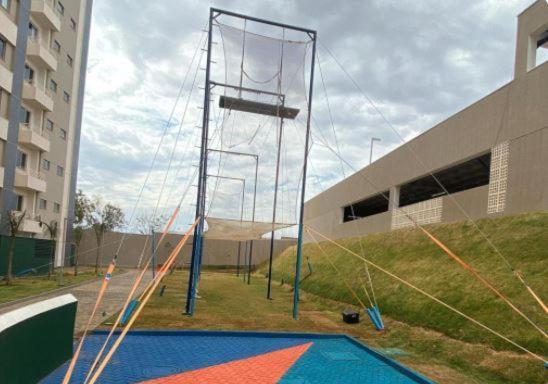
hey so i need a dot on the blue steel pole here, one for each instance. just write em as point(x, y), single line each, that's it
point(303, 189)
point(197, 242)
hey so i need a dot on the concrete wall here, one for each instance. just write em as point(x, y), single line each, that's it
point(516, 114)
point(216, 252)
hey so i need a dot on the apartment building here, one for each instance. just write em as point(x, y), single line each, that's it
point(491, 158)
point(43, 55)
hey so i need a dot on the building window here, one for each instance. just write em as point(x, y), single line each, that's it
point(3, 46)
point(21, 160)
point(43, 204)
point(56, 46)
point(5, 4)
point(60, 8)
point(46, 164)
point(49, 125)
point(60, 171)
point(66, 97)
point(33, 32)
point(25, 116)
point(466, 175)
point(69, 61)
point(368, 207)
point(56, 207)
point(19, 203)
point(62, 134)
point(29, 74)
point(53, 85)
point(73, 24)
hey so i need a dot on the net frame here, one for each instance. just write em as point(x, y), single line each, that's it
point(197, 246)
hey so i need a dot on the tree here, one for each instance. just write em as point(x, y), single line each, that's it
point(52, 229)
point(82, 208)
point(102, 218)
point(147, 222)
point(14, 226)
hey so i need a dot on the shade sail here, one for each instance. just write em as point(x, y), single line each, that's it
point(226, 229)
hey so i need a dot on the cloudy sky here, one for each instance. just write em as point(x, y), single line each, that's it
point(419, 61)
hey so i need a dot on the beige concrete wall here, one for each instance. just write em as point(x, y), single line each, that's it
point(216, 252)
point(516, 113)
point(531, 23)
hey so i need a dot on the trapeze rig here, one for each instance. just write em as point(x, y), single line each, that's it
point(279, 110)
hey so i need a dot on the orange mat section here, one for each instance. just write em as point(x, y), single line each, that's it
point(262, 369)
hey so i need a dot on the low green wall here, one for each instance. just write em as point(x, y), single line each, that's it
point(36, 339)
point(28, 254)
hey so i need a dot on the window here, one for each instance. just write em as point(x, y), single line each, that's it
point(60, 8)
point(25, 116)
point(52, 85)
point(5, 4)
point(62, 134)
point(56, 46)
point(29, 74)
point(46, 164)
point(60, 171)
point(56, 207)
point(49, 125)
point(73, 24)
point(33, 32)
point(66, 97)
point(467, 175)
point(368, 207)
point(19, 203)
point(21, 160)
point(3, 46)
point(42, 204)
point(69, 61)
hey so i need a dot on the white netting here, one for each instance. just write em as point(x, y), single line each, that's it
point(261, 66)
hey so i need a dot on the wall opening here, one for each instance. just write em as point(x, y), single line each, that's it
point(467, 175)
point(367, 207)
point(542, 49)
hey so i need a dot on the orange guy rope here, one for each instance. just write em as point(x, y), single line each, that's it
point(130, 295)
point(485, 282)
point(153, 286)
point(428, 295)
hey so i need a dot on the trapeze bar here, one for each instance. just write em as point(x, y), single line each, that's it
point(243, 105)
point(258, 91)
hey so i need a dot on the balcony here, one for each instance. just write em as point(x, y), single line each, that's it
point(6, 77)
point(8, 28)
point(40, 55)
point(4, 129)
point(45, 13)
point(30, 180)
point(37, 97)
point(35, 140)
point(32, 223)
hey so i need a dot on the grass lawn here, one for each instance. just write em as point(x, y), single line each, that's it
point(30, 286)
point(229, 304)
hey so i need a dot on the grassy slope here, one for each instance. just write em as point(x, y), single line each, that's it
point(409, 254)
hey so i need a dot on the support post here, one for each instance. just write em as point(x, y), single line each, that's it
point(303, 189)
point(153, 243)
point(197, 241)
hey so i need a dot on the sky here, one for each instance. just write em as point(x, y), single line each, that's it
point(418, 61)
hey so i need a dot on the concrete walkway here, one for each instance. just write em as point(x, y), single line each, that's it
point(113, 299)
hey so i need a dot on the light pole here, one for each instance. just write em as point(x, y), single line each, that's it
point(373, 139)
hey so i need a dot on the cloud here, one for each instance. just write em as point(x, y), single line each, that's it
point(419, 61)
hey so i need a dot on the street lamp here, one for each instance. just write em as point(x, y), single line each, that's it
point(373, 139)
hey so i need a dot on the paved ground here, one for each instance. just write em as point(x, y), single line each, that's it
point(86, 294)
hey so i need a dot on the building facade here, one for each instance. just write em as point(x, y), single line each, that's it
point(43, 57)
point(487, 160)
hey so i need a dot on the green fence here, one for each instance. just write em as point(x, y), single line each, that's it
point(29, 256)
